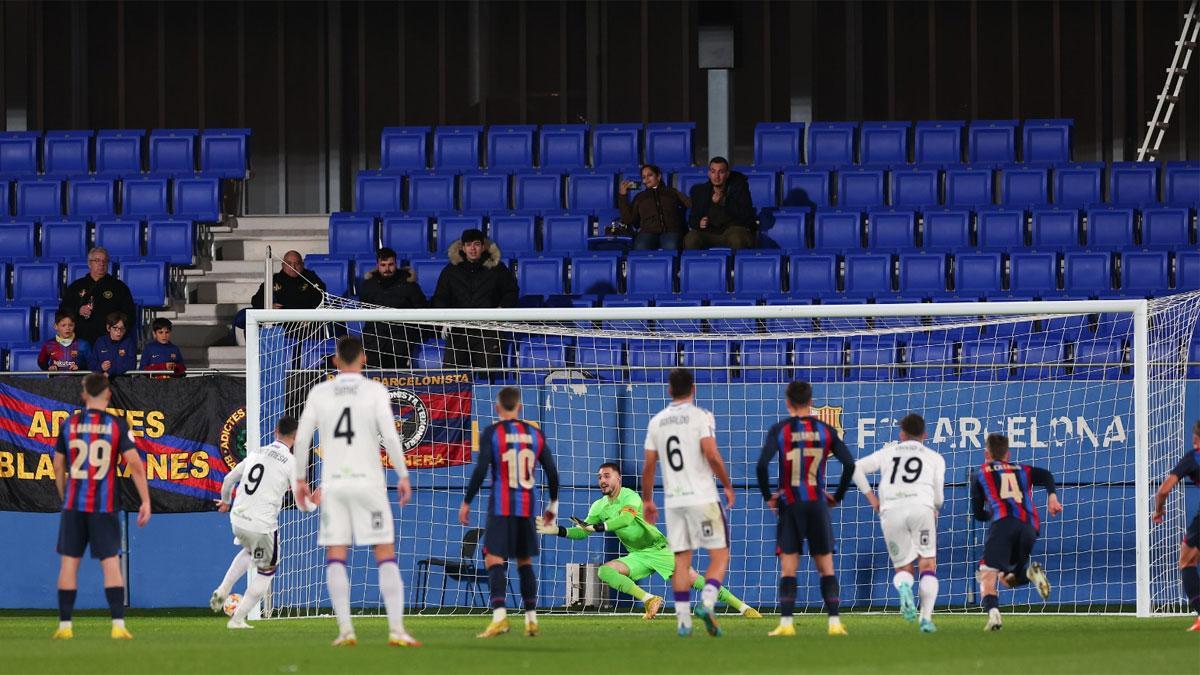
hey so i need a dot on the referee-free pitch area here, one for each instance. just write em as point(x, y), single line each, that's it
point(610, 645)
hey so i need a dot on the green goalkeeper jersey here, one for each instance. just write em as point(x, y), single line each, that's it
point(623, 517)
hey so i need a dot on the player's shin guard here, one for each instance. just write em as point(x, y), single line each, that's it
point(830, 592)
point(901, 578)
point(1191, 586)
point(787, 599)
point(528, 587)
point(115, 595)
point(339, 594)
point(256, 590)
point(237, 569)
point(391, 588)
point(499, 586)
point(928, 591)
point(622, 583)
point(66, 604)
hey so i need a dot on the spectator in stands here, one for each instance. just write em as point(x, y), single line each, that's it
point(161, 354)
point(116, 352)
point(96, 295)
point(722, 213)
point(657, 212)
point(66, 350)
point(389, 344)
point(475, 277)
point(293, 286)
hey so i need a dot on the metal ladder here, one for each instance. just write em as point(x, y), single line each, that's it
point(1185, 45)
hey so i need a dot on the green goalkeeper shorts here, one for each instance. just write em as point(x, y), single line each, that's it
point(642, 564)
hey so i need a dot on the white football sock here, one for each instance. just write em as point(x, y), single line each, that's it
point(683, 613)
point(339, 595)
point(260, 585)
point(118, 623)
point(62, 625)
point(928, 591)
point(902, 578)
point(391, 587)
point(708, 596)
point(237, 569)
point(499, 614)
point(531, 616)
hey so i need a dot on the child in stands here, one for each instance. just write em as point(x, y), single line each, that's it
point(65, 351)
point(115, 352)
point(161, 354)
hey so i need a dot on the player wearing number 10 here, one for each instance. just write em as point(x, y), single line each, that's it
point(85, 473)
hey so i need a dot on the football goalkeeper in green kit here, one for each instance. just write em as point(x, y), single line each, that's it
point(620, 511)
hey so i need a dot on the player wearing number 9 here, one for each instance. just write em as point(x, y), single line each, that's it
point(85, 473)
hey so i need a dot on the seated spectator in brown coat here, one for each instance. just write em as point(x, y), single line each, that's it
point(389, 344)
point(722, 212)
point(657, 212)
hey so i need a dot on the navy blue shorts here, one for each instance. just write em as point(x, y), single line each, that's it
point(510, 537)
point(801, 521)
point(1008, 545)
point(1192, 538)
point(99, 531)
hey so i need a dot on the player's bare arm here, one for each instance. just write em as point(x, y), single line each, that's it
point(137, 471)
point(649, 510)
point(1160, 497)
point(712, 455)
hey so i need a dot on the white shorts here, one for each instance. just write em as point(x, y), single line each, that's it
point(910, 533)
point(263, 548)
point(698, 526)
point(356, 518)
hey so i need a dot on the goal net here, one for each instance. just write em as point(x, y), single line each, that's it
point(1092, 390)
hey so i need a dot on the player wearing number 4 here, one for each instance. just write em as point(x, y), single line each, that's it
point(354, 417)
point(1002, 492)
point(911, 491)
point(801, 446)
point(85, 473)
point(510, 450)
point(1189, 548)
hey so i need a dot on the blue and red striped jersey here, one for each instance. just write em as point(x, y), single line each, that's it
point(511, 450)
point(801, 447)
point(1008, 489)
point(92, 441)
point(1188, 467)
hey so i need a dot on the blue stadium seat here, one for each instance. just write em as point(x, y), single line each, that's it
point(16, 240)
point(1098, 359)
point(831, 143)
point(76, 270)
point(1181, 184)
point(535, 358)
point(820, 359)
point(510, 147)
point(428, 270)
point(801, 325)
point(1055, 229)
point(24, 360)
point(968, 186)
point(1133, 183)
point(813, 276)
point(315, 353)
point(406, 235)
point(537, 191)
point(173, 151)
point(224, 153)
point(884, 143)
point(37, 283)
point(541, 274)
point(513, 233)
point(987, 360)
point(669, 144)
point(122, 238)
point(119, 152)
point(1187, 271)
point(704, 272)
point(1039, 358)
point(860, 188)
point(757, 272)
point(456, 147)
point(1087, 273)
point(651, 360)
point(837, 230)
point(626, 325)
point(686, 179)
point(739, 326)
point(196, 197)
point(64, 240)
point(977, 274)
point(377, 192)
point(938, 142)
point(144, 196)
point(766, 360)
point(428, 355)
point(1046, 141)
point(403, 149)
point(428, 192)
point(147, 281)
point(678, 325)
point(872, 357)
point(335, 272)
point(16, 328)
point(1193, 371)
point(922, 275)
point(1024, 186)
point(992, 142)
point(171, 240)
point(927, 355)
point(947, 230)
point(777, 144)
point(868, 275)
point(19, 153)
point(590, 191)
point(595, 273)
point(915, 187)
point(67, 153)
point(1108, 324)
point(1144, 272)
point(1034, 274)
point(1078, 184)
point(565, 232)
point(90, 196)
point(1109, 228)
point(762, 187)
point(783, 228)
point(616, 145)
point(38, 198)
point(1000, 229)
point(451, 226)
point(650, 273)
point(563, 146)
point(709, 360)
point(806, 187)
point(1166, 228)
point(352, 234)
point(891, 230)
point(5, 209)
point(602, 357)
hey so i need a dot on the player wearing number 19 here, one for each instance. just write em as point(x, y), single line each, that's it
point(85, 473)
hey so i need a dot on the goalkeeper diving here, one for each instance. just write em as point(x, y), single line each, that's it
point(620, 511)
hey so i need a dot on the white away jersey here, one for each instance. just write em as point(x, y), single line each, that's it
point(265, 477)
point(353, 416)
point(675, 435)
point(909, 474)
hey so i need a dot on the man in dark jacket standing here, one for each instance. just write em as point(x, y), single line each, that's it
point(722, 212)
point(96, 295)
point(293, 287)
point(475, 278)
point(389, 344)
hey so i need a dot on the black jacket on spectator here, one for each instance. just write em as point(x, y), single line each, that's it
point(301, 292)
point(389, 344)
point(738, 207)
point(485, 283)
point(655, 211)
point(399, 291)
point(107, 295)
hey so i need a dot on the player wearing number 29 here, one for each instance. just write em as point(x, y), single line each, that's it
point(911, 491)
point(1189, 549)
point(1002, 492)
point(85, 473)
point(353, 416)
point(801, 445)
point(510, 450)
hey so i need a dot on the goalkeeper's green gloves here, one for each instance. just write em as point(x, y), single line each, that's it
point(545, 527)
point(587, 527)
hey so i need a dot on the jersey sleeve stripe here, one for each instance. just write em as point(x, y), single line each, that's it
point(786, 472)
point(504, 506)
point(993, 493)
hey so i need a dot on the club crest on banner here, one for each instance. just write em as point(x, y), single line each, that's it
point(232, 440)
point(831, 415)
point(412, 417)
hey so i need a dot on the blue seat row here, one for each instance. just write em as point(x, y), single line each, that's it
point(193, 196)
point(162, 239)
point(41, 284)
point(354, 234)
point(118, 152)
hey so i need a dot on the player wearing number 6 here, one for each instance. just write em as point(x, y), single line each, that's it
point(85, 473)
point(510, 450)
point(1002, 492)
point(911, 491)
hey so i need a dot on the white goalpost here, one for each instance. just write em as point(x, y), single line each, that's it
point(1092, 390)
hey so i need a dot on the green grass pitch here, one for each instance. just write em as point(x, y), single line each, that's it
point(611, 645)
